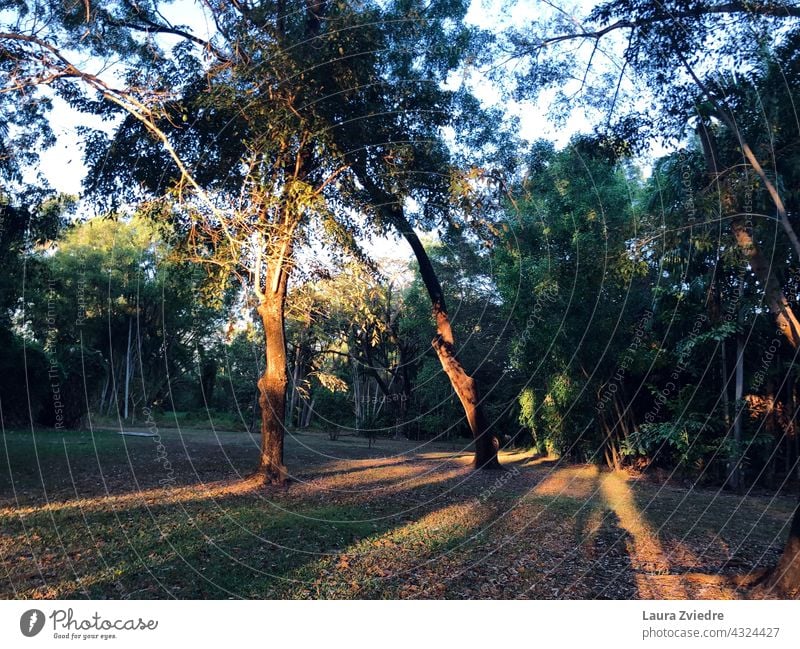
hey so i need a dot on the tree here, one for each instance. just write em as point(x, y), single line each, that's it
point(123, 316)
point(669, 46)
point(574, 216)
point(25, 227)
point(395, 149)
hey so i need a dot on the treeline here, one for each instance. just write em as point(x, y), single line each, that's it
point(610, 319)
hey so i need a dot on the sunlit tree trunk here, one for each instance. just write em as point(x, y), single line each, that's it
point(466, 388)
point(272, 389)
point(274, 381)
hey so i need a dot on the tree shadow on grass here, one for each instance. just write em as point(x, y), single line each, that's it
point(233, 545)
point(719, 543)
point(426, 528)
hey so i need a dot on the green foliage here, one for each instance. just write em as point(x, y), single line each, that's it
point(109, 305)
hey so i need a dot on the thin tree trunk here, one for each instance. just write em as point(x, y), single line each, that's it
point(367, 385)
point(780, 208)
point(727, 118)
point(356, 394)
point(735, 477)
point(788, 430)
point(309, 412)
point(773, 293)
point(128, 369)
point(255, 406)
point(104, 392)
point(293, 387)
point(726, 404)
point(113, 402)
point(303, 411)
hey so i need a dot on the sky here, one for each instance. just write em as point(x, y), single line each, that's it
point(62, 164)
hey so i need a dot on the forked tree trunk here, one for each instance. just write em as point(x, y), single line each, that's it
point(272, 387)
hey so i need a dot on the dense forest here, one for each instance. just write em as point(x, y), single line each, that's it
point(332, 216)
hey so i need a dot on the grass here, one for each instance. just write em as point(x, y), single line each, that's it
point(88, 514)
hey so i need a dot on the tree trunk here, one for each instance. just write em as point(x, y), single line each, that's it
point(726, 406)
point(128, 369)
point(780, 208)
point(735, 477)
point(255, 406)
point(795, 434)
point(405, 397)
point(293, 386)
point(773, 294)
point(486, 441)
point(308, 412)
point(105, 391)
point(786, 576)
point(272, 387)
point(113, 401)
point(466, 388)
point(356, 394)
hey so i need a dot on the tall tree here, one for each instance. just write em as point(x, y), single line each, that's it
point(317, 80)
point(668, 45)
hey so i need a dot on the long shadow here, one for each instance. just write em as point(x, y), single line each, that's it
point(611, 575)
point(244, 543)
point(59, 465)
point(726, 536)
point(233, 545)
point(80, 470)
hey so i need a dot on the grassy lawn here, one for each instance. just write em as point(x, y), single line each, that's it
point(103, 515)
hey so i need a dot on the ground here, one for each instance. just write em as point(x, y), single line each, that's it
point(102, 515)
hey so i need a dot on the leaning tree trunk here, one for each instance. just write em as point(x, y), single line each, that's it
point(272, 386)
point(785, 578)
point(466, 388)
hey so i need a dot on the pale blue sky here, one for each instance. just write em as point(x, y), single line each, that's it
point(63, 167)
